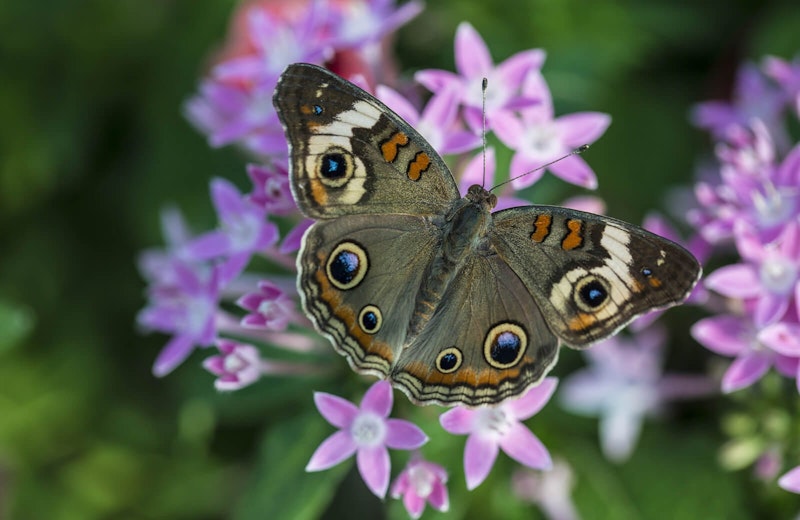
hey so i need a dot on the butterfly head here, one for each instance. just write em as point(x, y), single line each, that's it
point(480, 196)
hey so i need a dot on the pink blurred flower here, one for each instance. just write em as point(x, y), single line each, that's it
point(270, 308)
point(624, 384)
point(422, 481)
point(550, 490)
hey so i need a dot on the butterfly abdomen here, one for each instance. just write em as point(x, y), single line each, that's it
point(464, 234)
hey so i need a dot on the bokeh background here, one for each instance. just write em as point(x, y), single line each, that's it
point(93, 144)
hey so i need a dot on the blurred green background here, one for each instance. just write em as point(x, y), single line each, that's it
point(93, 145)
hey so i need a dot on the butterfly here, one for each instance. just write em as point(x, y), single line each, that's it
point(416, 284)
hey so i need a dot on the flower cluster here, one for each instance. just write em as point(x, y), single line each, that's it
point(750, 199)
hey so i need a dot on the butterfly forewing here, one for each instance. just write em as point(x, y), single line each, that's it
point(350, 154)
point(591, 274)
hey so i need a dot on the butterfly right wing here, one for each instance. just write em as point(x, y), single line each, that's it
point(589, 274)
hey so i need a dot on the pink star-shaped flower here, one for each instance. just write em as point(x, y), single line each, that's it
point(491, 429)
point(422, 481)
point(365, 431)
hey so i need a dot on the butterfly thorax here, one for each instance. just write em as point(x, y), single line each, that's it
point(464, 233)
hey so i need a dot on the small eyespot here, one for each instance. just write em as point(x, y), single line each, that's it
point(347, 265)
point(646, 271)
point(317, 110)
point(370, 319)
point(449, 360)
point(505, 344)
point(591, 293)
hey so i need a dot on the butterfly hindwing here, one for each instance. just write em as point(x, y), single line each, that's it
point(358, 276)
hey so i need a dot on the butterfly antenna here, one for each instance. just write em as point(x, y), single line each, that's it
point(576, 151)
point(484, 86)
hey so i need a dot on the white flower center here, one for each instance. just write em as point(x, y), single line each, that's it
point(267, 308)
point(272, 188)
point(778, 275)
point(243, 231)
point(493, 422)
point(541, 141)
point(198, 312)
point(772, 207)
point(422, 480)
point(368, 430)
point(233, 363)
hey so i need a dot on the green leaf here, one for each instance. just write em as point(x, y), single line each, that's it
point(280, 486)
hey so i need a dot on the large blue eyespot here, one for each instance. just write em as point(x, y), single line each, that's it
point(505, 344)
point(347, 265)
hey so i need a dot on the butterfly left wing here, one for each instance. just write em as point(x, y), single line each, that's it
point(485, 342)
point(357, 278)
point(589, 274)
point(351, 154)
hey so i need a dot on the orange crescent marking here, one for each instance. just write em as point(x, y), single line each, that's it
point(542, 227)
point(575, 237)
point(318, 192)
point(420, 163)
point(655, 283)
point(347, 315)
point(581, 322)
point(469, 376)
point(391, 147)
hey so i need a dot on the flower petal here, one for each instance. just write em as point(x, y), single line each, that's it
point(523, 446)
point(378, 399)
point(619, 432)
point(404, 435)
point(479, 457)
point(226, 198)
point(582, 127)
point(791, 480)
point(514, 69)
point(724, 334)
point(783, 338)
point(374, 466)
point(332, 451)
point(336, 410)
point(524, 170)
point(736, 281)
point(576, 171)
point(508, 128)
point(398, 103)
point(472, 56)
point(770, 308)
point(744, 371)
point(173, 354)
point(414, 503)
point(533, 400)
point(458, 421)
point(439, 498)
